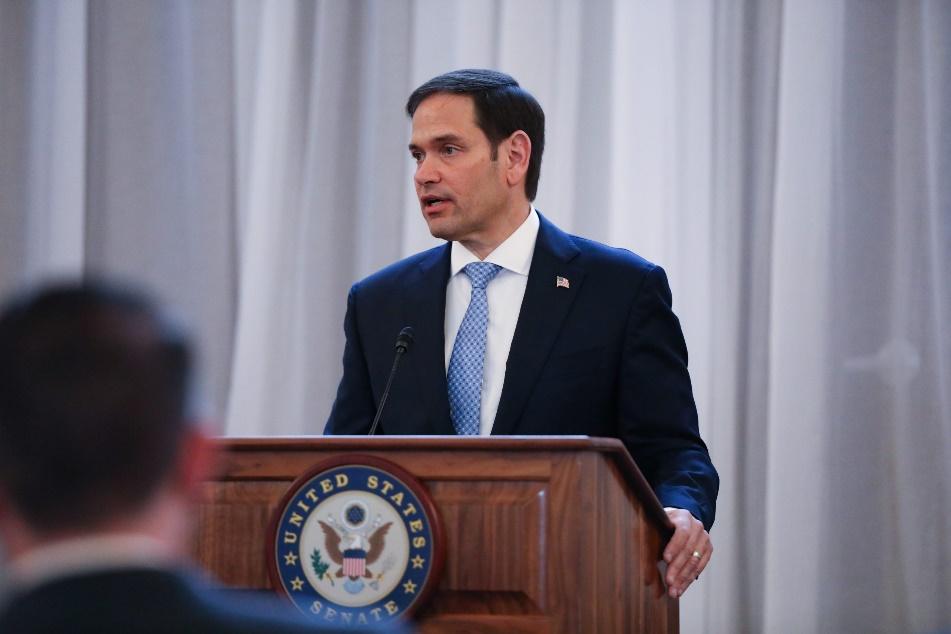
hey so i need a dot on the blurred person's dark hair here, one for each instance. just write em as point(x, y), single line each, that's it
point(501, 107)
point(94, 386)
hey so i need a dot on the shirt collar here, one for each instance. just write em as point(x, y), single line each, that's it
point(86, 554)
point(514, 254)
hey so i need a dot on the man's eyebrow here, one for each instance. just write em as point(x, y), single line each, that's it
point(443, 138)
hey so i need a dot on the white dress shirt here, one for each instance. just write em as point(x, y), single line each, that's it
point(504, 293)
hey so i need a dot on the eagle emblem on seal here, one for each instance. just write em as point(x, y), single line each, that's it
point(352, 551)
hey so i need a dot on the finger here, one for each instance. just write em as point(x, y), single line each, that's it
point(681, 566)
point(675, 569)
point(696, 552)
point(696, 548)
point(701, 564)
point(677, 542)
point(696, 564)
point(686, 533)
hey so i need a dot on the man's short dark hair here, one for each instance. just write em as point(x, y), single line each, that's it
point(94, 385)
point(501, 107)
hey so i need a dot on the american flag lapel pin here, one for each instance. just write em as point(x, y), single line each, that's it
point(562, 282)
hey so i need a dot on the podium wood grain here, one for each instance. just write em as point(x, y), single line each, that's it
point(543, 534)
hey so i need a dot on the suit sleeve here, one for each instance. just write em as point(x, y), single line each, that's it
point(658, 416)
point(354, 407)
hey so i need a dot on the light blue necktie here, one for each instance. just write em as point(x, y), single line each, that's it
point(468, 353)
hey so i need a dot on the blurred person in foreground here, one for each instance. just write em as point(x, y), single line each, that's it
point(101, 461)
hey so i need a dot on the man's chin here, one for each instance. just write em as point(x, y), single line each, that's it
point(441, 228)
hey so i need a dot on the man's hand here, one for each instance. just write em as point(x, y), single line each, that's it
point(687, 553)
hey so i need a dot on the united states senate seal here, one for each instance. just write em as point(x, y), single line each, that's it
point(356, 541)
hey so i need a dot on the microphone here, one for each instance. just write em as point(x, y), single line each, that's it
point(403, 343)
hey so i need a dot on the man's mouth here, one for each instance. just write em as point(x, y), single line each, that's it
point(433, 203)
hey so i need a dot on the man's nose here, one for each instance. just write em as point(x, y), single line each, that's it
point(426, 171)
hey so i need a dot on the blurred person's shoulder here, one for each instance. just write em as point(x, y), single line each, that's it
point(151, 601)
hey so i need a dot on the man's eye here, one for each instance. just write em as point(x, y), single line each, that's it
point(417, 156)
point(450, 150)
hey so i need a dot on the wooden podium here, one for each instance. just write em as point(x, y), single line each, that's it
point(543, 534)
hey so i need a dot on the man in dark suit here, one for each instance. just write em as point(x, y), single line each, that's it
point(519, 327)
point(100, 464)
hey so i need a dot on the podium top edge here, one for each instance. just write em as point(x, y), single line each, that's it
point(490, 443)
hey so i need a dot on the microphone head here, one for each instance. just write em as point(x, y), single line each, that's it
point(405, 339)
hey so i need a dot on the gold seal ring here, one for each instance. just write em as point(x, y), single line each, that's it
point(696, 554)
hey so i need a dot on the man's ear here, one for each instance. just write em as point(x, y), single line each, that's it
point(518, 152)
point(197, 463)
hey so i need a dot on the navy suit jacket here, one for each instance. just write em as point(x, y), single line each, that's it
point(603, 357)
point(146, 601)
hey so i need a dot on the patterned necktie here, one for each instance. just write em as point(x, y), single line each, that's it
point(468, 353)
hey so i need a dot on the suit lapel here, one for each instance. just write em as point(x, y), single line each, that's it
point(425, 309)
point(544, 308)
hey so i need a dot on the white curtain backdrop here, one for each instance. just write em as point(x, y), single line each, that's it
point(788, 163)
